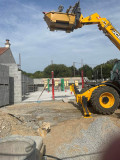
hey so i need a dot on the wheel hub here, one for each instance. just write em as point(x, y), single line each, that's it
point(105, 100)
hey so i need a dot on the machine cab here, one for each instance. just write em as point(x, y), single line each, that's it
point(115, 73)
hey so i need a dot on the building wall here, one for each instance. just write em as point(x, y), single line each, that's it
point(7, 57)
point(70, 80)
point(27, 84)
point(15, 84)
point(40, 83)
point(4, 85)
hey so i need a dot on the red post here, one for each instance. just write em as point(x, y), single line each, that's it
point(82, 79)
point(53, 95)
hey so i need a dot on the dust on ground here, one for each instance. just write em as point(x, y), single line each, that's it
point(66, 119)
point(26, 118)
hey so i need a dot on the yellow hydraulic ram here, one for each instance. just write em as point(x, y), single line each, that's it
point(83, 98)
point(73, 19)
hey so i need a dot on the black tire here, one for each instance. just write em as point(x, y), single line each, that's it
point(105, 100)
point(85, 89)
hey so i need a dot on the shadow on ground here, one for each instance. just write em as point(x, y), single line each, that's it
point(117, 115)
point(79, 107)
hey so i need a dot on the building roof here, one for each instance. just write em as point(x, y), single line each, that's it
point(3, 49)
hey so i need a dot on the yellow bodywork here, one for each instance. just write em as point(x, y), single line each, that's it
point(110, 97)
point(87, 94)
point(60, 21)
point(106, 99)
point(103, 25)
point(66, 22)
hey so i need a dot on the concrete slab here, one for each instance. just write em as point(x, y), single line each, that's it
point(47, 96)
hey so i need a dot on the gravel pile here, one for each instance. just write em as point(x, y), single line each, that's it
point(90, 143)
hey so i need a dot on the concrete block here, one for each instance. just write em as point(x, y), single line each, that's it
point(9, 75)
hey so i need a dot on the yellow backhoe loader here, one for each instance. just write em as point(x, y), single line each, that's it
point(105, 97)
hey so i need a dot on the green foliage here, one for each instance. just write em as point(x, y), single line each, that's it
point(27, 74)
point(112, 61)
point(38, 74)
point(103, 70)
point(60, 70)
point(87, 71)
point(74, 71)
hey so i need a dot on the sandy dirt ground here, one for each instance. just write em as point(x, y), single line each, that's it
point(68, 126)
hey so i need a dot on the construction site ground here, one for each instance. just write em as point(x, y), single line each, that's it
point(71, 136)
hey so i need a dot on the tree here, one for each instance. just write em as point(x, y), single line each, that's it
point(60, 70)
point(98, 71)
point(74, 71)
point(103, 70)
point(38, 74)
point(27, 74)
point(87, 70)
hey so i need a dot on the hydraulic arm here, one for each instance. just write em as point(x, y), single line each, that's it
point(104, 25)
point(73, 19)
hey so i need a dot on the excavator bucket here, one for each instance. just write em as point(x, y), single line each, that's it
point(63, 21)
point(60, 21)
